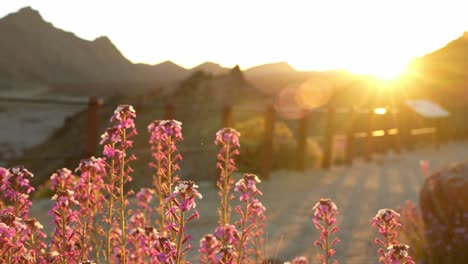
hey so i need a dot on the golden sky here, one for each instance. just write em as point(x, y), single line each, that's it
point(362, 36)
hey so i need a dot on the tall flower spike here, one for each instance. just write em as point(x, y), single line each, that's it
point(88, 192)
point(64, 236)
point(116, 142)
point(325, 212)
point(183, 200)
point(12, 244)
point(386, 221)
point(15, 187)
point(247, 212)
point(258, 219)
point(164, 135)
point(228, 139)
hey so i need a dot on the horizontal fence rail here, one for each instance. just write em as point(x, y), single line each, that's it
point(396, 133)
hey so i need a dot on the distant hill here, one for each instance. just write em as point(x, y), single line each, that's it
point(443, 74)
point(270, 68)
point(211, 68)
point(33, 49)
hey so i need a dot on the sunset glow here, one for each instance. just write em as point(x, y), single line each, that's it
point(367, 37)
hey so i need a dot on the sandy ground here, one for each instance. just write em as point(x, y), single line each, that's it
point(359, 191)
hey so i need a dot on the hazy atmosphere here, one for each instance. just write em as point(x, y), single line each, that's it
point(233, 132)
point(362, 36)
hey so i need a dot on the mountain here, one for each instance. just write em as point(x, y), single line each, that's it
point(270, 68)
point(211, 68)
point(443, 74)
point(33, 49)
point(229, 87)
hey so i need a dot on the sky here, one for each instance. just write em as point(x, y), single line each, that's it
point(362, 36)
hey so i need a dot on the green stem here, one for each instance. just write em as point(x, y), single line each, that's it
point(225, 187)
point(243, 236)
point(123, 219)
point(110, 212)
point(84, 249)
point(161, 195)
point(327, 246)
point(64, 238)
point(179, 237)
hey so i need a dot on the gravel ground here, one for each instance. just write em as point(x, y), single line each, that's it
point(359, 192)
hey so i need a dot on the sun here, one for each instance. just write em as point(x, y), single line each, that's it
point(383, 70)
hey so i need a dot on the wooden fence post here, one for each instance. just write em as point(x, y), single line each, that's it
point(302, 141)
point(351, 130)
point(94, 104)
point(397, 124)
point(267, 154)
point(329, 132)
point(169, 111)
point(227, 116)
point(369, 138)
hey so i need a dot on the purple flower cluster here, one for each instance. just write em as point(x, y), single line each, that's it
point(325, 212)
point(251, 208)
point(64, 218)
point(228, 139)
point(164, 134)
point(183, 200)
point(116, 141)
point(398, 254)
point(386, 221)
point(88, 192)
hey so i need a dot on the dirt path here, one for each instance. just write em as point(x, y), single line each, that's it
point(359, 192)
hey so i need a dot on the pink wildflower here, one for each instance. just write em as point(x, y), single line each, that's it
point(116, 141)
point(386, 221)
point(88, 192)
point(183, 200)
point(324, 220)
point(15, 187)
point(228, 139)
point(62, 179)
point(209, 246)
point(164, 134)
point(64, 236)
point(398, 254)
point(248, 189)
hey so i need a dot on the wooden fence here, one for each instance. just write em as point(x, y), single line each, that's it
point(397, 133)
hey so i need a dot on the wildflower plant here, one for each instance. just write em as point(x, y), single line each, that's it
point(116, 141)
point(386, 221)
point(88, 192)
point(228, 139)
point(164, 135)
point(258, 219)
point(12, 231)
point(15, 189)
point(325, 212)
point(183, 200)
point(247, 187)
point(64, 217)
